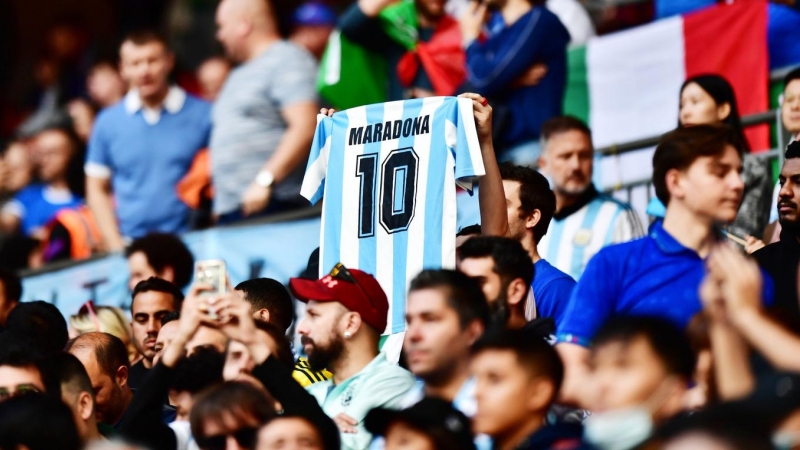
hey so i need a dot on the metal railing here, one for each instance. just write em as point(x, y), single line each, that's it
point(767, 117)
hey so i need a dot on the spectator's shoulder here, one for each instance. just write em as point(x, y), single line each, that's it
point(554, 274)
point(605, 198)
point(197, 106)
point(391, 375)
point(768, 255)
point(30, 192)
point(194, 101)
point(114, 112)
point(550, 18)
point(297, 53)
point(618, 255)
point(319, 390)
point(545, 12)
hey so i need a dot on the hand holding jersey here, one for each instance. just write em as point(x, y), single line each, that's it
point(388, 173)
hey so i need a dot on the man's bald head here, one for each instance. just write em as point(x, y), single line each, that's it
point(244, 25)
point(105, 359)
point(108, 350)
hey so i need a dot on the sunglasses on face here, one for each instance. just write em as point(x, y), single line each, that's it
point(340, 272)
point(22, 389)
point(245, 437)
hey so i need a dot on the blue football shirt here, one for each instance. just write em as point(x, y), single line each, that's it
point(651, 276)
point(388, 175)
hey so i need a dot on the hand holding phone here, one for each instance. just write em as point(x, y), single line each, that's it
point(211, 272)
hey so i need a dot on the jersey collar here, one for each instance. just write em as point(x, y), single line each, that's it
point(173, 103)
point(588, 195)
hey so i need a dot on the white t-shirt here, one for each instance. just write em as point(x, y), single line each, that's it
point(183, 435)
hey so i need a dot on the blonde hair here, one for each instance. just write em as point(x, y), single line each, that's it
point(106, 319)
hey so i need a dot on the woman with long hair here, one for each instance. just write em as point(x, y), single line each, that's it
point(710, 99)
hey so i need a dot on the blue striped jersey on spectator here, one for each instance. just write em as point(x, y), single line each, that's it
point(571, 241)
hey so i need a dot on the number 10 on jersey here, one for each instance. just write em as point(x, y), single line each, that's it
point(398, 189)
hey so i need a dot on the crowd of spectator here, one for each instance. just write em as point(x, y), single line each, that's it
point(116, 148)
point(565, 324)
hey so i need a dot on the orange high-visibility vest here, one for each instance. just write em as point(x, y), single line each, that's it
point(83, 231)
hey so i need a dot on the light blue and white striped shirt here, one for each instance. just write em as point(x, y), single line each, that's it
point(388, 176)
point(571, 241)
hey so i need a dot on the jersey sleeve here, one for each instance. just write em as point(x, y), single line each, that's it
point(627, 226)
point(592, 303)
point(98, 154)
point(462, 139)
point(314, 180)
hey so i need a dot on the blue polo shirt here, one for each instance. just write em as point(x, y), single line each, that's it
point(651, 276)
point(552, 290)
point(145, 153)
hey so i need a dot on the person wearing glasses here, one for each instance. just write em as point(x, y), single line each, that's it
point(20, 372)
point(346, 312)
point(229, 415)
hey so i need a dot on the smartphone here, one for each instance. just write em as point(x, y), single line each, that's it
point(211, 272)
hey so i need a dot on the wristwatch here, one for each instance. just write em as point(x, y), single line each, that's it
point(265, 178)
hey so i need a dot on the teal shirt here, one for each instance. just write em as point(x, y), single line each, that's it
point(380, 383)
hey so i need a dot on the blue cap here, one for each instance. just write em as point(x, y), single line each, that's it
point(314, 14)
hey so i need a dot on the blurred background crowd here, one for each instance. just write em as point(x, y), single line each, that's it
point(62, 64)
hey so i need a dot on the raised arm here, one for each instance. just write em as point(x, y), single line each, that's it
point(292, 151)
point(360, 24)
point(491, 197)
point(100, 199)
point(238, 325)
point(143, 422)
point(741, 284)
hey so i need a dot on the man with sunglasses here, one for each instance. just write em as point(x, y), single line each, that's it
point(19, 373)
point(346, 313)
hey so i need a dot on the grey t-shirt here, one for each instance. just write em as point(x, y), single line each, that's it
point(247, 121)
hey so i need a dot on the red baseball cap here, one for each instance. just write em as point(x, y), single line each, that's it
point(358, 291)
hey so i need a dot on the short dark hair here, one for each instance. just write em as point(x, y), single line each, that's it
point(231, 398)
point(21, 351)
point(471, 230)
point(793, 150)
point(158, 285)
point(201, 369)
point(17, 350)
point(562, 124)
point(109, 351)
point(68, 372)
point(144, 37)
point(464, 294)
point(679, 149)
point(37, 422)
point(41, 321)
point(666, 340)
point(170, 317)
point(511, 261)
point(269, 294)
point(12, 285)
point(793, 74)
point(534, 354)
point(164, 250)
point(534, 193)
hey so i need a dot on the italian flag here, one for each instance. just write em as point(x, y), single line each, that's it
point(626, 85)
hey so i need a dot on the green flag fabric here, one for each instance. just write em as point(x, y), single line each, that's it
point(351, 75)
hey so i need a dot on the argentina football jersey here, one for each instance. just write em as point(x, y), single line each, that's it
point(388, 173)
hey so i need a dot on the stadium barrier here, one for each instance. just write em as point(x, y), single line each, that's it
point(277, 247)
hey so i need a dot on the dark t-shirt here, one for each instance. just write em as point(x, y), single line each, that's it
point(780, 261)
point(136, 374)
